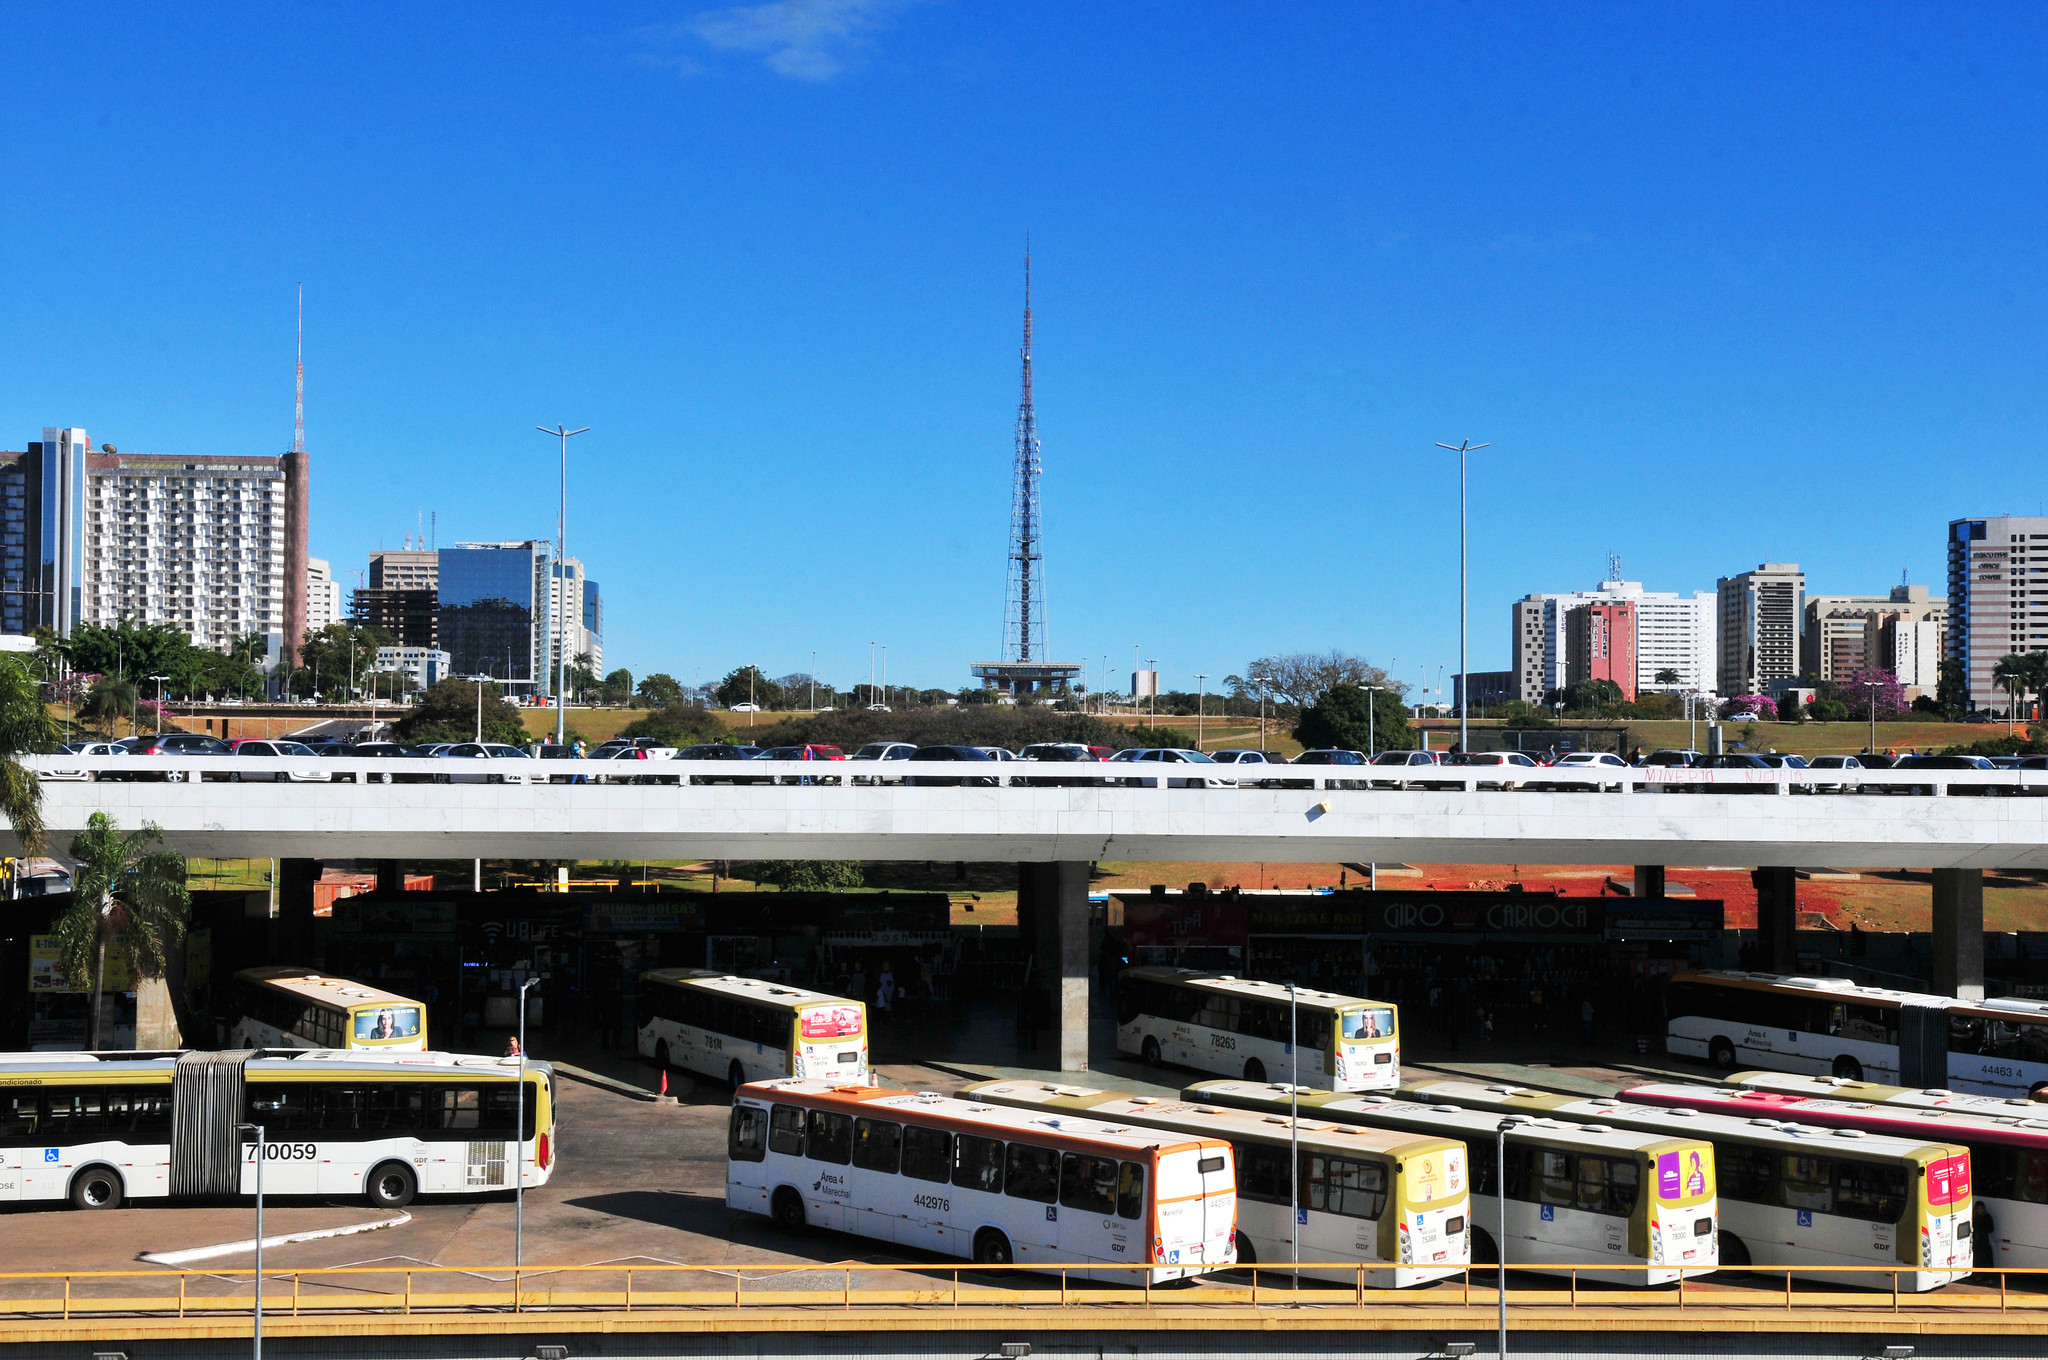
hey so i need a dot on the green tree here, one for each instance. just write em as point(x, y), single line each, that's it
point(617, 688)
point(1952, 691)
point(25, 728)
point(111, 701)
point(747, 685)
point(661, 691)
point(1592, 696)
point(1339, 718)
point(678, 725)
point(1667, 676)
point(128, 888)
point(807, 875)
point(583, 678)
point(341, 654)
point(448, 712)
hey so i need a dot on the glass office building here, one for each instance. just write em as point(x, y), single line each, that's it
point(493, 614)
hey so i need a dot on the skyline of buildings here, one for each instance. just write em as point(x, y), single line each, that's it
point(1673, 632)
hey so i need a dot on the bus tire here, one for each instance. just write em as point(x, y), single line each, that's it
point(1848, 1069)
point(991, 1248)
point(1245, 1255)
point(1254, 1070)
point(1734, 1253)
point(390, 1185)
point(1483, 1252)
point(787, 1209)
point(1151, 1051)
point(1721, 1053)
point(736, 1074)
point(96, 1187)
point(661, 1055)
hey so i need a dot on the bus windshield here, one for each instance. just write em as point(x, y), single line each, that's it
point(829, 1022)
point(1685, 1177)
point(374, 1024)
point(1366, 1022)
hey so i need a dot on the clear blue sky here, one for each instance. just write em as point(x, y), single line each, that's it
point(1720, 283)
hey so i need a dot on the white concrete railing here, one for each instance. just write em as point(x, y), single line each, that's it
point(313, 772)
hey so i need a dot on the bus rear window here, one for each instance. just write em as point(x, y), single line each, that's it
point(1367, 1022)
point(830, 1022)
point(373, 1025)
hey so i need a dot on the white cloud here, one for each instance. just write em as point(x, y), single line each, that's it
point(811, 40)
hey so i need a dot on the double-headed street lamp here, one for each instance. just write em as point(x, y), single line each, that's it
point(1201, 703)
point(519, 1138)
point(159, 702)
point(1871, 686)
point(1372, 746)
point(1500, 1188)
point(1462, 448)
point(561, 583)
point(257, 1330)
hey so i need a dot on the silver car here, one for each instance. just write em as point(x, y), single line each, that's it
point(468, 772)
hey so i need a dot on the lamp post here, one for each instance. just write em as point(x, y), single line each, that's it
point(1152, 663)
point(1871, 686)
point(1463, 448)
point(813, 678)
point(159, 702)
point(257, 1331)
point(1201, 704)
point(1294, 1129)
point(1500, 1189)
point(562, 581)
point(481, 681)
point(519, 1137)
point(1372, 740)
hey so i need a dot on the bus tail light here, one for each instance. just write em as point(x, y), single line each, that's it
point(542, 1151)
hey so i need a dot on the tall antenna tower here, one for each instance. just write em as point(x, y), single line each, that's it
point(299, 393)
point(1024, 603)
point(1614, 566)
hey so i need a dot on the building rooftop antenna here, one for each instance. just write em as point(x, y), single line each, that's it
point(299, 392)
point(1614, 566)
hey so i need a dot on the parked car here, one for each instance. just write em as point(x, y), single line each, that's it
point(746, 708)
point(308, 774)
point(171, 744)
point(78, 773)
point(1676, 760)
point(884, 750)
point(1401, 760)
point(1247, 757)
point(1057, 750)
point(1330, 757)
point(387, 750)
point(1174, 755)
point(997, 752)
point(1470, 759)
point(927, 754)
point(494, 773)
point(1933, 762)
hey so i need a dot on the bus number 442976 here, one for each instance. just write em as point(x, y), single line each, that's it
point(944, 1206)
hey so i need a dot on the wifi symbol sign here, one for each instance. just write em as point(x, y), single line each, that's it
point(492, 930)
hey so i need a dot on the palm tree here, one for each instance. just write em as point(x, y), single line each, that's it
point(126, 887)
point(2013, 672)
point(111, 700)
point(25, 727)
point(2033, 674)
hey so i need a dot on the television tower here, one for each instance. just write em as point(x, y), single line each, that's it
point(1024, 603)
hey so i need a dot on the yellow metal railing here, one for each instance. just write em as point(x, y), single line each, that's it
point(1263, 1291)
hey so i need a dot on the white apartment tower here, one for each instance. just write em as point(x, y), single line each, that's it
point(585, 618)
point(1759, 627)
point(1674, 632)
point(1995, 606)
point(323, 595)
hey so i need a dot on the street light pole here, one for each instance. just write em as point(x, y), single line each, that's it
point(1463, 448)
point(561, 583)
point(1201, 704)
point(519, 1137)
point(1294, 1127)
point(1871, 687)
point(1372, 740)
point(1152, 663)
point(1500, 1189)
point(159, 702)
point(257, 1332)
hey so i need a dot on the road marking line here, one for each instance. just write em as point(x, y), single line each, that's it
point(191, 1254)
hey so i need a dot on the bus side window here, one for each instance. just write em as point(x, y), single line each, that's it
point(1130, 1190)
point(1479, 1161)
point(1746, 1173)
point(1806, 1183)
point(1624, 1186)
point(1555, 1182)
point(747, 1138)
point(152, 1105)
point(1262, 1173)
point(396, 1107)
point(1870, 1190)
point(978, 1163)
point(1316, 1028)
point(1180, 1004)
point(786, 1130)
point(1339, 1185)
point(2031, 1176)
point(1088, 1184)
point(1965, 1035)
point(877, 1145)
point(1034, 1173)
point(927, 1153)
point(829, 1137)
point(1874, 1024)
point(457, 1109)
point(1518, 1159)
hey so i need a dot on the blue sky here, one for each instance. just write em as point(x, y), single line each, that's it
point(1718, 283)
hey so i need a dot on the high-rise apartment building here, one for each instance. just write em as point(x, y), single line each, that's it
point(1674, 633)
point(1995, 605)
point(323, 595)
point(1840, 633)
point(583, 623)
point(39, 532)
point(194, 542)
point(1759, 627)
point(1600, 644)
point(1911, 650)
point(493, 614)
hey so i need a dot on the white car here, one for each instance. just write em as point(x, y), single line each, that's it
point(997, 752)
point(746, 708)
point(1493, 758)
point(469, 751)
point(1171, 755)
point(79, 773)
point(1588, 760)
point(297, 775)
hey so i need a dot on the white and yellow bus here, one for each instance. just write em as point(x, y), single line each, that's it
point(1795, 1195)
point(745, 1029)
point(998, 1185)
point(1398, 1204)
point(1238, 1027)
point(287, 1007)
point(97, 1129)
point(1576, 1194)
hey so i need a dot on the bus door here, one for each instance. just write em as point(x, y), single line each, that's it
point(1683, 1214)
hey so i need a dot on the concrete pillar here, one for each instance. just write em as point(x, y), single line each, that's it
point(1777, 916)
point(390, 878)
point(1052, 918)
point(1649, 881)
point(295, 880)
point(1959, 933)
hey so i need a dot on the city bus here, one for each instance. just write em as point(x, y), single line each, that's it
point(1396, 1203)
point(964, 1178)
point(1835, 1027)
point(287, 1007)
point(745, 1029)
point(1794, 1195)
point(1238, 1027)
point(1576, 1193)
point(2007, 1139)
point(98, 1129)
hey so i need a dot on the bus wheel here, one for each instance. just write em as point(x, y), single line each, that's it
point(1245, 1255)
point(1721, 1054)
point(736, 1074)
point(1254, 1070)
point(1151, 1052)
point(1848, 1069)
point(96, 1187)
point(661, 1055)
point(787, 1209)
point(1734, 1255)
point(991, 1248)
point(392, 1186)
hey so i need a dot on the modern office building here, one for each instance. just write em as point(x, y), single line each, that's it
point(323, 595)
point(1489, 690)
point(493, 617)
point(1674, 633)
point(39, 532)
point(1759, 618)
point(1840, 633)
point(583, 623)
point(425, 665)
point(1600, 644)
point(408, 617)
point(1994, 606)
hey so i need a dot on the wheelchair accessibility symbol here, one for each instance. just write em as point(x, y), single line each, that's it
point(1550, 1213)
point(49, 1154)
point(1806, 1218)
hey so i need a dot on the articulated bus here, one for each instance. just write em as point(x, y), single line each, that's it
point(289, 1007)
point(1576, 1193)
point(1238, 1027)
point(1793, 1194)
point(970, 1179)
point(744, 1029)
point(1834, 1027)
point(101, 1128)
point(1397, 1201)
point(2007, 1139)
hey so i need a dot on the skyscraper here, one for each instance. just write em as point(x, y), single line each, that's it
point(1994, 606)
point(1759, 626)
point(493, 615)
point(39, 532)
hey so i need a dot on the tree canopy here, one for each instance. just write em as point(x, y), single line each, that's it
point(661, 691)
point(448, 712)
point(1339, 719)
point(746, 685)
point(677, 725)
point(139, 651)
point(1297, 678)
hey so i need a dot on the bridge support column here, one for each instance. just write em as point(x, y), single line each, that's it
point(1649, 881)
point(1052, 913)
point(294, 936)
point(390, 878)
point(1959, 933)
point(1777, 916)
